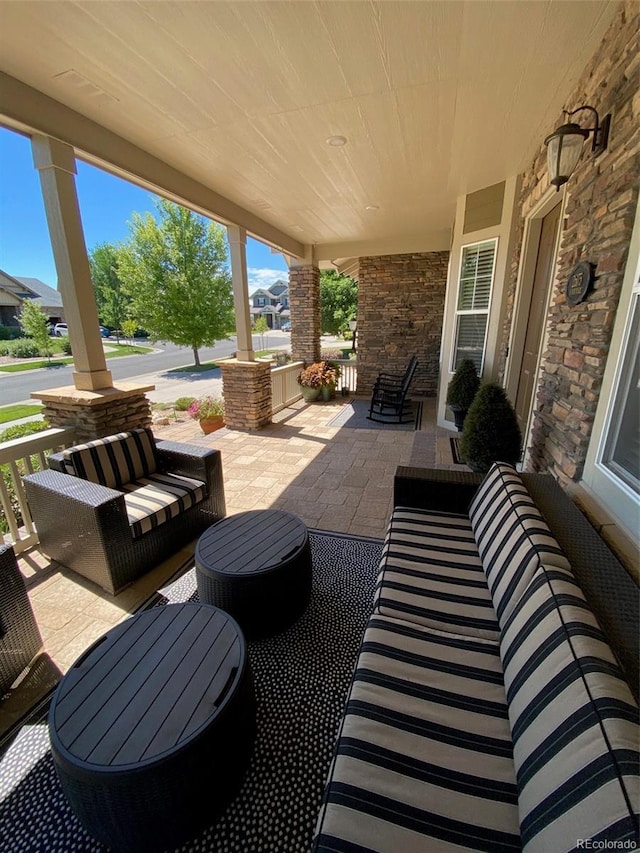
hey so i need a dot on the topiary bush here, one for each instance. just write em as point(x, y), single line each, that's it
point(491, 432)
point(462, 390)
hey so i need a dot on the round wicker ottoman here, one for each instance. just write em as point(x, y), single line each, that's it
point(256, 565)
point(153, 727)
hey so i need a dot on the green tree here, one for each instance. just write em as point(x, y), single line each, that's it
point(261, 326)
point(35, 324)
point(112, 300)
point(175, 272)
point(338, 302)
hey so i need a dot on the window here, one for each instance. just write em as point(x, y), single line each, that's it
point(474, 298)
point(621, 455)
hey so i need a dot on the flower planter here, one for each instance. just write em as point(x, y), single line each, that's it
point(309, 395)
point(208, 425)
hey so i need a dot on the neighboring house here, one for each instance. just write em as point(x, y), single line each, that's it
point(272, 303)
point(13, 292)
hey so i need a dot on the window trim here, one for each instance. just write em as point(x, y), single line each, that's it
point(473, 311)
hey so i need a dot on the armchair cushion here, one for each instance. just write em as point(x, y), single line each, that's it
point(153, 500)
point(115, 460)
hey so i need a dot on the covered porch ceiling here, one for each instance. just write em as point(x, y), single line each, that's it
point(235, 102)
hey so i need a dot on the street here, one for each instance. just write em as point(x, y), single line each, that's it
point(17, 387)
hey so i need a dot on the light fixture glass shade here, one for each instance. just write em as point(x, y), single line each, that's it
point(564, 147)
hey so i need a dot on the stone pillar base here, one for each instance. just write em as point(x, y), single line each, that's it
point(246, 386)
point(95, 414)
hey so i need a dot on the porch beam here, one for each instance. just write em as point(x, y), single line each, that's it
point(28, 110)
point(237, 237)
point(55, 162)
point(429, 241)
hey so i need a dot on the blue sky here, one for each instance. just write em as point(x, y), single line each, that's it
point(106, 205)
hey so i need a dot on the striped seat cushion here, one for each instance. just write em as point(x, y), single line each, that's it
point(114, 460)
point(431, 574)
point(423, 759)
point(153, 500)
point(512, 537)
point(573, 719)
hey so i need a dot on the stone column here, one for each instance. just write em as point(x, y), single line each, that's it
point(55, 162)
point(247, 393)
point(304, 301)
point(238, 244)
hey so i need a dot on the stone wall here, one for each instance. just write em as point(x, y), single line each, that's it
point(247, 393)
point(599, 216)
point(400, 313)
point(304, 304)
point(106, 415)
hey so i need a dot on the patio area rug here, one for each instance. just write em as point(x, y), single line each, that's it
point(301, 678)
point(353, 415)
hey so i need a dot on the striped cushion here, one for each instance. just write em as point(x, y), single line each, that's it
point(423, 760)
point(431, 574)
point(153, 500)
point(513, 538)
point(574, 721)
point(115, 460)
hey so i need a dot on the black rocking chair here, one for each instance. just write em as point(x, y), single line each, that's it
point(389, 401)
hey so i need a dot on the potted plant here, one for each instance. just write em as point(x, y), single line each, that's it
point(491, 432)
point(462, 390)
point(318, 378)
point(209, 412)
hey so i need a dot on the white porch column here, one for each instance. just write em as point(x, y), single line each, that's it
point(238, 243)
point(55, 162)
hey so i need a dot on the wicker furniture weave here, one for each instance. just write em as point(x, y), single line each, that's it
point(84, 525)
point(20, 638)
point(153, 727)
point(256, 565)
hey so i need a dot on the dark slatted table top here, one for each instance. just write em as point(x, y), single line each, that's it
point(147, 688)
point(250, 542)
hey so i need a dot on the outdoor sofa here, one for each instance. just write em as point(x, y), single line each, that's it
point(492, 704)
point(113, 508)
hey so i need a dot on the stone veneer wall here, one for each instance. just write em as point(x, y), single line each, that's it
point(246, 387)
point(400, 313)
point(96, 420)
point(600, 211)
point(304, 304)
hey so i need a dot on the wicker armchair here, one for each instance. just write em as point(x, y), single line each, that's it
point(113, 508)
point(20, 639)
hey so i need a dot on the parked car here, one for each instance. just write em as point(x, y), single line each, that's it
point(61, 330)
point(285, 327)
point(105, 332)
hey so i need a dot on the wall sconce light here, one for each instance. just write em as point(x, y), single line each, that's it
point(564, 145)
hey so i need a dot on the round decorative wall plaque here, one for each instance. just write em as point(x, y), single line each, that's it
point(579, 281)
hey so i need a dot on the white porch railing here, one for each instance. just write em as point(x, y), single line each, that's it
point(284, 385)
point(348, 373)
point(24, 456)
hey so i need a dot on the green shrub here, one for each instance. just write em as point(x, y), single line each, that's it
point(182, 403)
point(464, 385)
point(9, 333)
point(18, 431)
point(20, 348)
point(66, 346)
point(491, 432)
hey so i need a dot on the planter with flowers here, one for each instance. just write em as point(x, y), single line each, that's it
point(209, 412)
point(320, 378)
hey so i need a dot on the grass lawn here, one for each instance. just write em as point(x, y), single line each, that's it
point(115, 351)
point(211, 365)
point(17, 411)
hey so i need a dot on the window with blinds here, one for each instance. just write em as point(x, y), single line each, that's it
point(474, 299)
point(622, 447)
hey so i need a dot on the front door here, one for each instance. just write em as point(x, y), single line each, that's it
point(545, 263)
